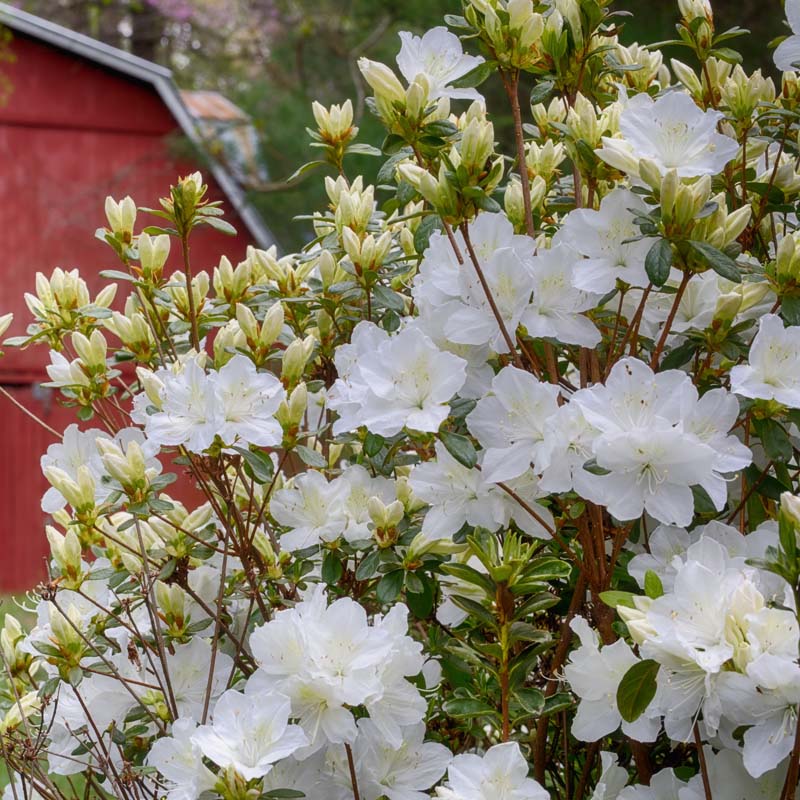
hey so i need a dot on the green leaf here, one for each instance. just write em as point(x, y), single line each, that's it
point(636, 689)
point(362, 149)
point(220, 225)
point(392, 144)
point(470, 575)
point(301, 170)
point(547, 568)
point(653, 587)
point(616, 598)
point(532, 700)
point(658, 261)
point(422, 236)
point(257, 464)
point(774, 439)
point(475, 77)
point(311, 457)
point(460, 447)
point(373, 444)
point(790, 309)
point(331, 569)
point(280, 794)
point(723, 265)
point(388, 298)
point(389, 586)
point(368, 566)
point(441, 127)
point(541, 91)
point(467, 707)
point(557, 702)
point(420, 602)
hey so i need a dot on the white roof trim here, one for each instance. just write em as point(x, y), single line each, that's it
point(157, 76)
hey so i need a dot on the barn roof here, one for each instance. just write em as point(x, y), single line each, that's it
point(160, 78)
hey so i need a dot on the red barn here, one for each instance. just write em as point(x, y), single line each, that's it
point(83, 121)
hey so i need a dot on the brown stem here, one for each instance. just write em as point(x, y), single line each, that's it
point(701, 757)
point(187, 270)
point(511, 85)
point(353, 777)
point(670, 319)
point(492, 304)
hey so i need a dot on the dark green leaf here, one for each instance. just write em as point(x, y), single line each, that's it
point(373, 444)
point(636, 689)
point(388, 298)
point(257, 463)
point(722, 264)
point(532, 700)
point(331, 569)
point(475, 77)
point(422, 236)
point(368, 566)
point(389, 586)
point(467, 707)
point(658, 261)
point(790, 309)
point(460, 447)
point(541, 91)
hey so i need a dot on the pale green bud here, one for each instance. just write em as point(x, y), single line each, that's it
point(121, 217)
point(65, 550)
point(335, 124)
point(91, 350)
point(382, 80)
point(295, 358)
point(153, 254)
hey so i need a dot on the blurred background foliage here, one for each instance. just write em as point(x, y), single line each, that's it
point(273, 57)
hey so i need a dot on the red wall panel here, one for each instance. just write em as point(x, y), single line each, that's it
point(71, 133)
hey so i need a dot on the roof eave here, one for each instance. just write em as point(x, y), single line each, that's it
point(161, 80)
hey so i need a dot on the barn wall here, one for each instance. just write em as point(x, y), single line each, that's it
point(71, 134)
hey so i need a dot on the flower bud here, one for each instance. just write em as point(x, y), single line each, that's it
point(65, 550)
point(295, 358)
point(382, 81)
point(153, 254)
point(121, 217)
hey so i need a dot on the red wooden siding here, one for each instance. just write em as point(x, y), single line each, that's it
point(71, 133)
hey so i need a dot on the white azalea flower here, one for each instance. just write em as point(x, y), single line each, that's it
point(439, 56)
point(594, 674)
point(249, 399)
point(313, 508)
point(787, 52)
point(249, 735)
point(327, 659)
point(652, 457)
point(387, 383)
point(612, 778)
point(180, 761)
point(664, 785)
point(773, 368)
point(500, 774)
point(458, 495)
point(603, 236)
point(555, 311)
point(398, 773)
point(510, 423)
point(190, 414)
point(673, 133)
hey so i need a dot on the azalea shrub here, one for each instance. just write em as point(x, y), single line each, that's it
point(488, 494)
